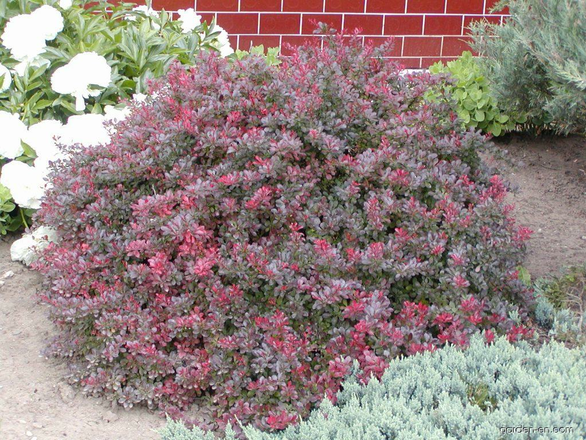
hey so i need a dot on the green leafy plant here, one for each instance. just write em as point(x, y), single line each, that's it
point(536, 65)
point(476, 107)
point(271, 54)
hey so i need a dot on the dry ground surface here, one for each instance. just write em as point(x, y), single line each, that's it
point(548, 178)
point(36, 402)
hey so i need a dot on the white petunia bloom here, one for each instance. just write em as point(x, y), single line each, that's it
point(48, 21)
point(26, 183)
point(87, 130)
point(76, 78)
point(13, 130)
point(42, 137)
point(7, 81)
point(65, 4)
point(189, 19)
point(223, 42)
point(26, 248)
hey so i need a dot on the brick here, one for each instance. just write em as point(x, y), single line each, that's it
point(465, 6)
point(392, 6)
point(370, 24)
point(208, 17)
point(443, 25)
point(345, 5)
point(172, 5)
point(407, 62)
point(303, 5)
point(260, 5)
point(426, 61)
point(245, 42)
point(238, 23)
point(310, 21)
point(454, 46)
point(426, 5)
point(280, 23)
point(379, 41)
point(233, 41)
point(403, 25)
point(217, 5)
point(422, 46)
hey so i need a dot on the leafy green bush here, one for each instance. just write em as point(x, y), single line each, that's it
point(487, 392)
point(477, 108)
point(537, 63)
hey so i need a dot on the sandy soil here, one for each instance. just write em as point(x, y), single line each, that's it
point(35, 401)
point(549, 177)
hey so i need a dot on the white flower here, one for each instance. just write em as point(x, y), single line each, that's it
point(87, 130)
point(26, 248)
point(139, 97)
point(24, 40)
point(26, 183)
point(42, 136)
point(114, 114)
point(48, 21)
point(12, 131)
point(189, 19)
point(77, 77)
point(26, 34)
point(65, 4)
point(223, 42)
point(7, 81)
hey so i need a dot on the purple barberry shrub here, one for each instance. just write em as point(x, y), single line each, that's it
point(251, 230)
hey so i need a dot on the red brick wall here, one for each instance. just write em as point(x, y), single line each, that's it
point(425, 30)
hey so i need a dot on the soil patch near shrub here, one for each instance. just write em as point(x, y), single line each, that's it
point(548, 175)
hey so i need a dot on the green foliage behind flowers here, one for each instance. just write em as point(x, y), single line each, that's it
point(450, 394)
point(476, 107)
point(271, 55)
point(537, 62)
point(139, 44)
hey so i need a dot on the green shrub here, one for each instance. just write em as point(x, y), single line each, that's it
point(536, 65)
point(476, 107)
point(451, 394)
